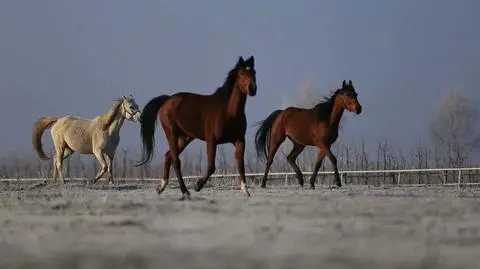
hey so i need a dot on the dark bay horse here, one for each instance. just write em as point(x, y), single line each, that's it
point(317, 126)
point(216, 118)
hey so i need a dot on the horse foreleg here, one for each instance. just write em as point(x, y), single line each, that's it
point(182, 144)
point(211, 152)
point(103, 164)
point(333, 160)
point(318, 164)
point(292, 157)
point(109, 159)
point(239, 156)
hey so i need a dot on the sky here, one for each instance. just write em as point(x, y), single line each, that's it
point(74, 57)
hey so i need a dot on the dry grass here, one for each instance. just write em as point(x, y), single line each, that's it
point(130, 226)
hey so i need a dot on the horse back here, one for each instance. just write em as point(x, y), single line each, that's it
point(302, 126)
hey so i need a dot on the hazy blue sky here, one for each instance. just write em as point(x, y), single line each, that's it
point(73, 57)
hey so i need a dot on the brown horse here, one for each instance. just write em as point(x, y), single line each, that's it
point(217, 118)
point(317, 126)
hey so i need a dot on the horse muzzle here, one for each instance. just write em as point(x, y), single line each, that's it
point(252, 89)
point(358, 110)
point(137, 117)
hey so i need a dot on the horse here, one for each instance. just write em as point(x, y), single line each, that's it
point(317, 126)
point(99, 136)
point(216, 118)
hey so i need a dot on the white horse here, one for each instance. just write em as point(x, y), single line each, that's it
point(99, 136)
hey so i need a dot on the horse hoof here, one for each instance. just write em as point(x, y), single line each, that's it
point(198, 186)
point(312, 187)
point(159, 191)
point(263, 186)
point(185, 196)
point(245, 192)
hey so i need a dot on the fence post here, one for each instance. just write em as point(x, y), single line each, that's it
point(398, 179)
point(459, 177)
point(341, 178)
point(286, 179)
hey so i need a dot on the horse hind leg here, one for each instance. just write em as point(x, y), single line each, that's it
point(172, 137)
point(62, 151)
point(59, 165)
point(55, 170)
point(67, 152)
point(182, 144)
point(291, 158)
point(276, 140)
point(58, 159)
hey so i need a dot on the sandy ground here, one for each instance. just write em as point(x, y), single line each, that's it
point(130, 226)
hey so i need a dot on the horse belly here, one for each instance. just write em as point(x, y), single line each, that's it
point(79, 140)
point(301, 134)
point(192, 130)
point(187, 115)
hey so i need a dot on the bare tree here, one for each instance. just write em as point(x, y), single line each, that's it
point(307, 96)
point(454, 128)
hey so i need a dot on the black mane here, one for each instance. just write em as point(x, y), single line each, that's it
point(225, 91)
point(325, 107)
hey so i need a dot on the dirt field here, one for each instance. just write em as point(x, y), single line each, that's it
point(130, 226)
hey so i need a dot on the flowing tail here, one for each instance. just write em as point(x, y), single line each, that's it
point(262, 136)
point(147, 126)
point(38, 129)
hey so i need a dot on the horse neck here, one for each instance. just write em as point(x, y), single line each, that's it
point(236, 103)
point(116, 124)
point(336, 114)
point(112, 120)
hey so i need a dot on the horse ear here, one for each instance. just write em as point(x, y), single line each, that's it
point(240, 60)
point(252, 60)
point(131, 96)
point(350, 82)
point(344, 84)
